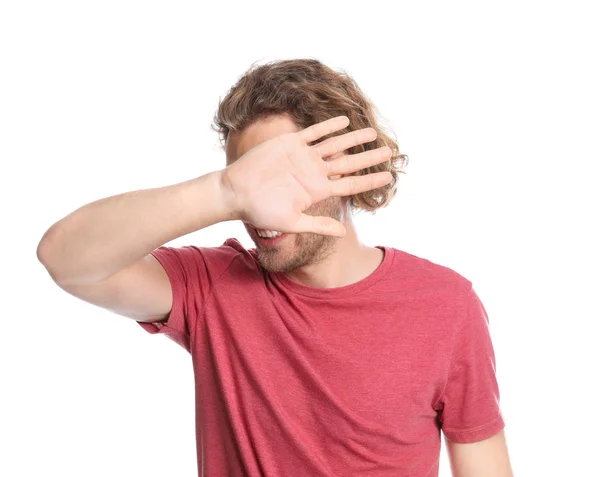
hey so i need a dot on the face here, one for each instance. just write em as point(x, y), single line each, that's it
point(294, 250)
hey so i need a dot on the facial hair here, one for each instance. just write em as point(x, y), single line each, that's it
point(305, 248)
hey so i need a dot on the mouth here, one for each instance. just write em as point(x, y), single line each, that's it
point(269, 241)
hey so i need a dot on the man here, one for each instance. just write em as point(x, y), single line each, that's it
point(314, 354)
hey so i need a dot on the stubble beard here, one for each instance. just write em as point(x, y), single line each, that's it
point(305, 248)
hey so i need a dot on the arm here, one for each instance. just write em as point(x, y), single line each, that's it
point(101, 251)
point(486, 458)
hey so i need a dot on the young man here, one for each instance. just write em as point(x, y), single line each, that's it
point(314, 354)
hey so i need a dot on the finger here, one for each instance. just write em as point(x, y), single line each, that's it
point(355, 184)
point(319, 225)
point(340, 143)
point(355, 162)
point(316, 131)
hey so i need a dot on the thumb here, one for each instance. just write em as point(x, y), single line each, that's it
point(320, 225)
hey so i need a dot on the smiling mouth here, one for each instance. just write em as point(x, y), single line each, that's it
point(268, 241)
point(256, 230)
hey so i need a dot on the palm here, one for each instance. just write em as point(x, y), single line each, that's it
point(276, 181)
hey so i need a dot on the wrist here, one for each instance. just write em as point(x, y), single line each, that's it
point(225, 196)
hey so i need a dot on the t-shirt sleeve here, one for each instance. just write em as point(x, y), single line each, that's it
point(192, 272)
point(470, 403)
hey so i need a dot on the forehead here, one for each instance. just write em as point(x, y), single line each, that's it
point(238, 143)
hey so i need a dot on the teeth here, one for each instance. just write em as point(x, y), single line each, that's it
point(267, 233)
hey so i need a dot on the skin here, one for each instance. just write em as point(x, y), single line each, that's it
point(320, 261)
point(486, 458)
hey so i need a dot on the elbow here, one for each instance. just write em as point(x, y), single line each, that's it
point(45, 253)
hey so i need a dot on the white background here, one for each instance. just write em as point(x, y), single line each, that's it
point(496, 104)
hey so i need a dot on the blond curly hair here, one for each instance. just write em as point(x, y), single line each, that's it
point(310, 92)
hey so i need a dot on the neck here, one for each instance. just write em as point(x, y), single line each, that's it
point(349, 262)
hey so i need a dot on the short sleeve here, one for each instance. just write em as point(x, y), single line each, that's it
point(193, 272)
point(470, 403)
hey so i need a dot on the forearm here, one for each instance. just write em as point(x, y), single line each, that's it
point(105, 236)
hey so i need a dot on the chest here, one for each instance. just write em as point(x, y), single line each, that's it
point(362, 366)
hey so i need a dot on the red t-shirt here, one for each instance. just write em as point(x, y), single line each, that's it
point(292, 380)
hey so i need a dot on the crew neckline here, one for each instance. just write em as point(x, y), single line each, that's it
point(388, 257)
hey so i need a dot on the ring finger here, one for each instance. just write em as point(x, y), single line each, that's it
point(349, 163)
point(336, 144)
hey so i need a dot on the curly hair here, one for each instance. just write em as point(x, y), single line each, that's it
point(310, 92)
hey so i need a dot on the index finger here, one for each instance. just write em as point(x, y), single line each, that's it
point(314, 132)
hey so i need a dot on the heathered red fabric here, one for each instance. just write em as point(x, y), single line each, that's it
point(292, 380)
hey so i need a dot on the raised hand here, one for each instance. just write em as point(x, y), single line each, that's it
point(275, 182)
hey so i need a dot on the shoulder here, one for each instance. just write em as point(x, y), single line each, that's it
point(234, 248)
point(239, 258)
point(229, 250)
point(425, 274)
point(209, 260)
